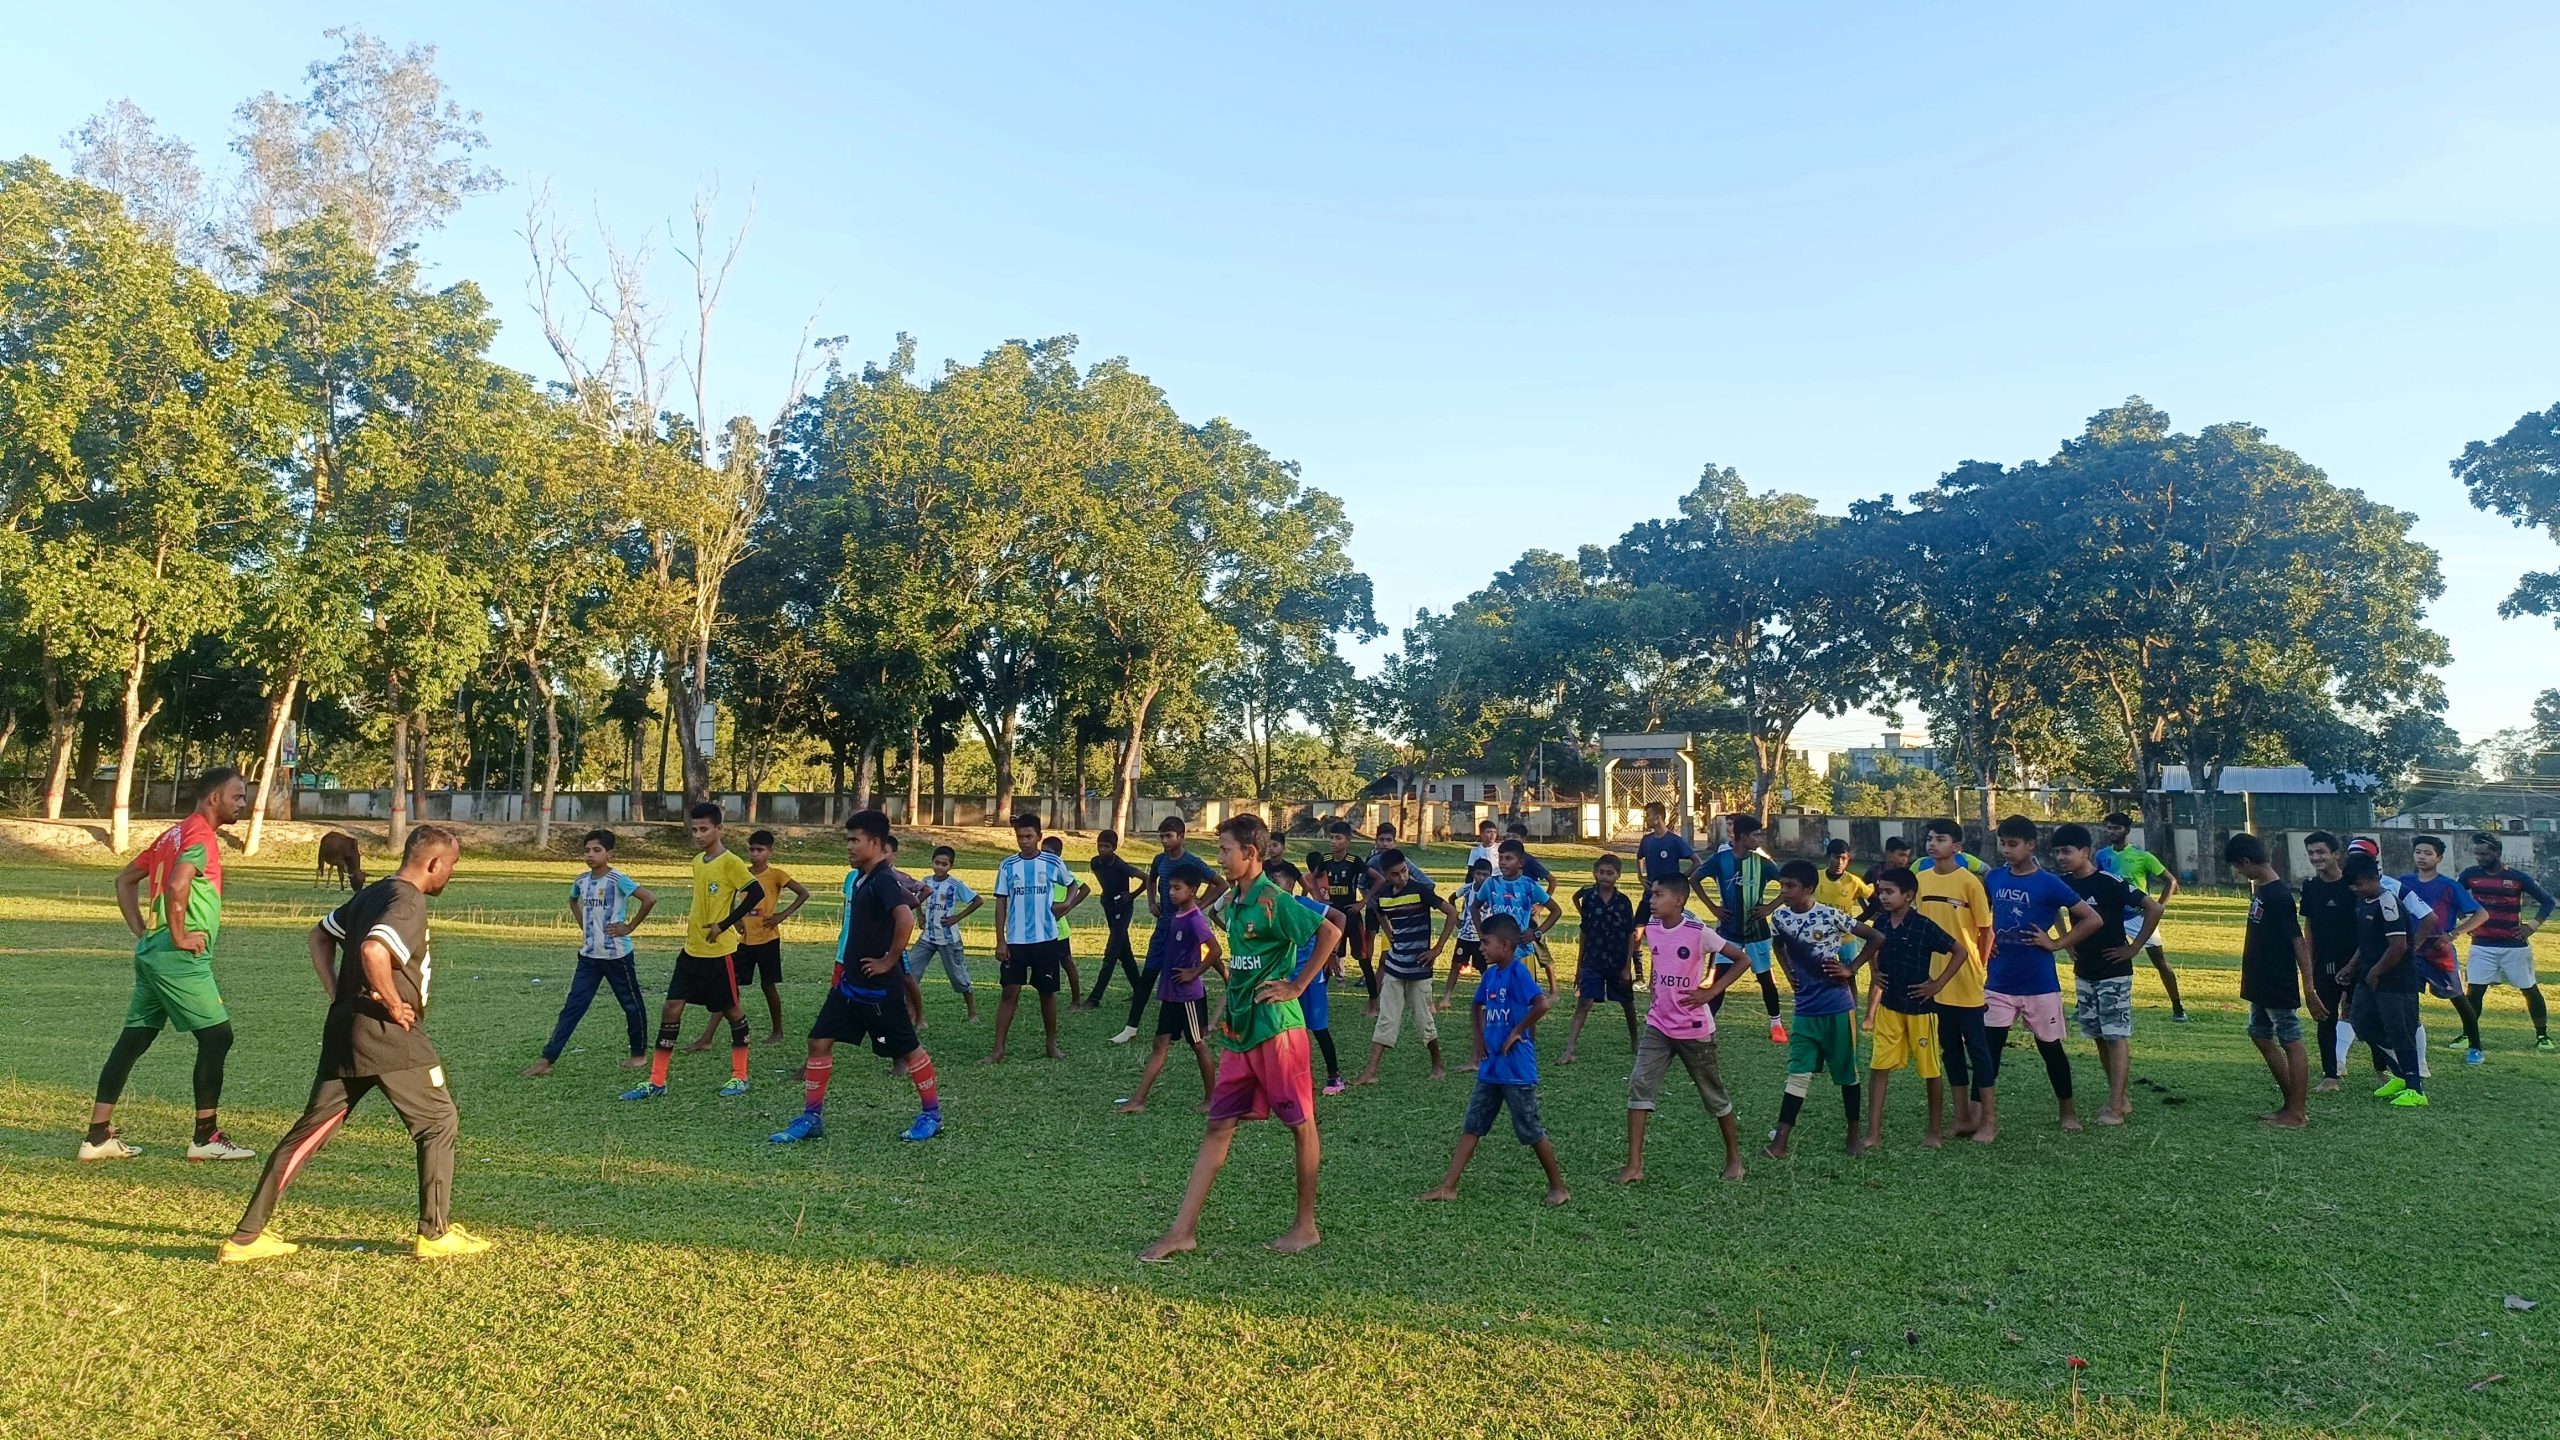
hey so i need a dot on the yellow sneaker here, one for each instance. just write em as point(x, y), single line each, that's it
point(266, 1247)
point(454, 1241)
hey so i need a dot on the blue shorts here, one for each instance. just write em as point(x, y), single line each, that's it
point(1317, 1004)
point(1596, 984)
point(1758, 950)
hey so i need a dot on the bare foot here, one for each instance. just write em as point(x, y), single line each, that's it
point(1932, 1141)
point(775, 1038)
point(1967, 1128)
point(537, 1069)
point(1166, 1248)
point(1371, 1012)
point(698, 1046)
point(1297, 1239)
point(1557, 1195)
point(1632, 1175)
point(1366, 1077)
point(1439, 1074)
point(1440, 1192)
point(1057, 1054)
point(1857, 1147)
point(2328, 1085)
point(1733, 1170)
point(1873, 1142)
point(2107, 1117)
point(636, 1062)
point(1128, 1107)
point(2286, 1120)
point(1772, 1152)
point(2071, 1123)
point(1566, 1058)
point(1200, 1109)
point(1985, 1134)
point(995, 1059)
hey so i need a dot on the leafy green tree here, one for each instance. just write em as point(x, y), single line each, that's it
point(2517, 476)
point(133, 434)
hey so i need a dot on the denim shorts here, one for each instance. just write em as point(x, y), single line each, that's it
point(2283, 1026)
point(1489, 1100)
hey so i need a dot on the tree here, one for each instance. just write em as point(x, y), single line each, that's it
point(1773, 605)
point(2517, 476)
point(120, 149)
point(136, 432)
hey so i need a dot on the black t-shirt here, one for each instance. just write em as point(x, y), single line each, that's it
point(2268, 974)
point(1608, 925)
point(1344, 878)
point(359, 1037)
point(1118, 884)
point(2377, 920)
point(2329, 913)
point(1903, 961)
point(2110, 897)
point(870, 926)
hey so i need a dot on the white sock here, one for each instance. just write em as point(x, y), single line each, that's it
point(2422, 1052)
point(2346, 1044)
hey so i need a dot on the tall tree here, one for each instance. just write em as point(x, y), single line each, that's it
point(133, 434)
point(2517, 476)
point(120, 149)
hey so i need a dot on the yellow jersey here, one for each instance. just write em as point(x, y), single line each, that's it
point(759, 927)
point(1957, 901)
point(1845, 892)
point(718, 881)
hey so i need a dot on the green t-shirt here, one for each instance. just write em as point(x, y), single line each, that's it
point(191, 840)
point(1265, 927)
point(2134, 866)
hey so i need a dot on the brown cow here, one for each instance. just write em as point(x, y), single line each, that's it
point(339, 852)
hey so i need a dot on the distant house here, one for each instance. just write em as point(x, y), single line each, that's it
point(1865, 762)
point(2274, 797)
point(2505, 809)
point(1472, 789)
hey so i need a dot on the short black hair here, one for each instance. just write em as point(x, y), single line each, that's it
point(1386, 828)
point(598, 837)
point(1655, 807)
point(1282, 870)
point(1338, 827)
point(1479, 863)
point(2074, 835)
point(1803, 872)
point(1314, 858)
point(1835, 847)
point(1499, 926)
point(2018, 827)
point(1744, 823)
point(1053, 844)
point(1944, 826)
point(1512, 846)
point(1899, 877)
point(705, 810)
point(1106, 837)
point(429, 837)
point(1610, 862)
point(761, 837)
point(868, 822)
point(2118, 817)
point(1029, 819)
point(1389, 859)
point(1518, 829)
point(1170, 825)
point(2360, 866)
point(2321, 837)
point(218, 775)
point(2244, 849)
point(2436, 841)
point(945, 852)
point(892, 842)
point(1895, 842)
point(2484, 837)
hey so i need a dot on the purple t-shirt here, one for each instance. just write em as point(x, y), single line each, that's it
point(1178, 944)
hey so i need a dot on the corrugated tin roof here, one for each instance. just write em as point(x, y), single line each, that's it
point(2267, 780)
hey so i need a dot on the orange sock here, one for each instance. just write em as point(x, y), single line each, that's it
point(738, 1062)
point(813, 1082)
point(658, 1065)
point(928, 1093)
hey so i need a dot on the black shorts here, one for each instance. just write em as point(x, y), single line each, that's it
point(1184, 1020)
point(1355, 926)
point(1468, 955)
point(759, 960)
point(704, 980)
point(848, 1021)
point(1034, 965)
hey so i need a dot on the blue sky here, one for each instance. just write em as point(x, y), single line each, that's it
point(1506, 276)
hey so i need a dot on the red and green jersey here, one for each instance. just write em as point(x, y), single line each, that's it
point(193, 841)
point(1265, 928)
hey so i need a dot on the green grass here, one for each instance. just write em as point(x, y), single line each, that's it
point(662, 1271)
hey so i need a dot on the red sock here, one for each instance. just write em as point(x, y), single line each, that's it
point(920, 1070)
point(658, 1066)
point(738, 1062)
point(813, 1081)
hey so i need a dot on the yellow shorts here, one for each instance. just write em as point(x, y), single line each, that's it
point(1906, 1040)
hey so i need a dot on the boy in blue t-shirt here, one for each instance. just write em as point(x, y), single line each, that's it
point(603, 901)
point(2022, 984)
point(1317, 1002)
point(1507, 1008)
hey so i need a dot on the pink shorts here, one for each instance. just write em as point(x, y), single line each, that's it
point(2042, 1013)
point(1273, 1079)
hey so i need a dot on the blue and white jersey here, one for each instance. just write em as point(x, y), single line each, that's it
point(1029, 888)
point(942, 899)
point(602, 900)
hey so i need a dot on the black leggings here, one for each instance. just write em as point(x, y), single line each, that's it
point(2532, 1003)
point(2333, 997)
point(1324, 1042)
point(1964, 1048)
point(1115, 951)
point(213, 1046)
point(2057, 1061)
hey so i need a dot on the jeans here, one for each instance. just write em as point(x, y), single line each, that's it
point(625, 979)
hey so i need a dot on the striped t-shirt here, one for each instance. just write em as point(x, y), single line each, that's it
point(1029, 887)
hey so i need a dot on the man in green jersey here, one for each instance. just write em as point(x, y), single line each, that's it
point(2138, 868)
point(173, 966)
point(1275, 946)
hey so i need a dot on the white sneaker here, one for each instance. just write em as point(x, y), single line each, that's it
point(220, 1148)
point(111, 1148)
point(1127, 1034)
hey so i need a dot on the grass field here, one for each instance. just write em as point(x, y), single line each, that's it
point(662, 1271)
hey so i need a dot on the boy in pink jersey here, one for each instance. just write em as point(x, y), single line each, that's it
point(1681, 1021)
